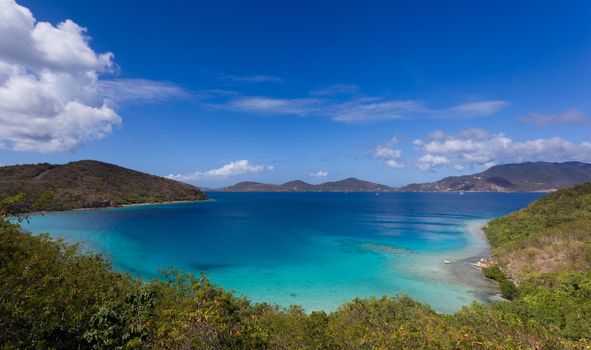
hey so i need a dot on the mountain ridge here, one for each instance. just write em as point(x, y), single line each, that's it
point(346, 185)
point(513, 177)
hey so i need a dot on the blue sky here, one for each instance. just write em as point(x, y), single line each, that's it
point(218, 92)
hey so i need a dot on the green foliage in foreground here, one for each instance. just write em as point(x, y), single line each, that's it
point(54, 297)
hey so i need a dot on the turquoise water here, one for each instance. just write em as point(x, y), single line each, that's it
point(312, 249)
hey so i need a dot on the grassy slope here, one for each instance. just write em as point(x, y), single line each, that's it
point(552, 235)
point(88, 183)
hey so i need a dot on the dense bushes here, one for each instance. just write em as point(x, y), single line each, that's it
point(561, 302)
point(508, 288)
point(53, 297)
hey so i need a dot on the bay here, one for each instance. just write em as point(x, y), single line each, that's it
point(316, 250)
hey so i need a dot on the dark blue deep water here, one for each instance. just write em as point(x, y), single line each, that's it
point(312, 249)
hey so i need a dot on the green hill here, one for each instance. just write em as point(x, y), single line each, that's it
point(552, 235)
point(90, 184)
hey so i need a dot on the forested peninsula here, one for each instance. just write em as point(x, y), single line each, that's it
point(89, 184)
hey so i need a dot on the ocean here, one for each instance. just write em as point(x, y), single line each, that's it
point(316, 250)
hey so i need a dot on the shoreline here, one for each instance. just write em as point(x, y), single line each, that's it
point(465, 271)
point(343, 191)
point(457, 267)
point(153, 203)
point(119, 206)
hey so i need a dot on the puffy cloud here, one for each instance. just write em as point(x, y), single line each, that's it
point(51, 97)
point(319, 174)
point(48, 84)
point(387, 150)
point(40, 45)
point(389, 153)
point(391, 163)
point(231, 169)
point(568, 117)
point(428, 160)
point(476, 147)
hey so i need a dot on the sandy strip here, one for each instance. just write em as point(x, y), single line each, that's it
point(154, 203)
point(459, 270)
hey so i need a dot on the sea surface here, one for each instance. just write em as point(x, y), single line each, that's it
point(312, 249)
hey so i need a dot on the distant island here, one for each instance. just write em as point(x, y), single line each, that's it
point(520, 177)
point(90, 184)
point(346, 185)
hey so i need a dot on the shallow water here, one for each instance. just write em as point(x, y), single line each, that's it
point(312, 249)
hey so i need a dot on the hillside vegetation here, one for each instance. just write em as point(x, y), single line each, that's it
point(90, 184)
point(54, 297)
point(552, 235)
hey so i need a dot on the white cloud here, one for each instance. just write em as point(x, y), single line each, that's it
point(387, 150)
point(48, 84)
point(40, 45)
point(268, 105)
point(389, 153)
point(428, 160)
point(371, 109)
point(568, 117)
point(357, 109)
point(139, 90)
point(261, 78)
point(391, 163)
point(476, 147)
point(239, 167)
point(477, 109)
point(319, 174)
point(51, 97)
point(368, 110)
